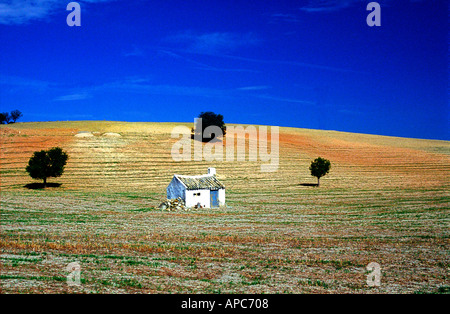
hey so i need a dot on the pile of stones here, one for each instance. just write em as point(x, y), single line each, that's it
point(173, 205)
point(177, 204)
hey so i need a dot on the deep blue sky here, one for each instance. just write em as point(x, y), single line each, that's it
point(309, 64)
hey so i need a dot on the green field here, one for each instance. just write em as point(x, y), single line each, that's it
point(385, 200)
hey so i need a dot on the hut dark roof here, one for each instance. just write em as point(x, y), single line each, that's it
point(209, 182)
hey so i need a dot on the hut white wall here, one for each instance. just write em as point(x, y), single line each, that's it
point(192, 198)
point(221, 197)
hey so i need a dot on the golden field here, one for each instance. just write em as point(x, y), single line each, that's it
point(385, 200)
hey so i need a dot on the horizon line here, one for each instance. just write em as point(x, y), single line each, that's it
point(230, 123)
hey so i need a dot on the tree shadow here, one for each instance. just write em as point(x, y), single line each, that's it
point(308, 184)
point(39, 186)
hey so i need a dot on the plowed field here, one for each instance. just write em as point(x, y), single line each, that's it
point(385, 200)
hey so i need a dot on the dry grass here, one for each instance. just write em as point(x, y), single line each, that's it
point(385, 200)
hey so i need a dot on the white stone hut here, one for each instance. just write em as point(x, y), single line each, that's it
point(203, 190)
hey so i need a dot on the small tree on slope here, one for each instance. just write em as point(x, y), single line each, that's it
point(44, 164)
point(319, 167)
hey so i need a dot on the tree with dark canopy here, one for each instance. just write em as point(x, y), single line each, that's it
point(44, 164)
point(320, 167)
point(5, 118)
point(208, 119)
point(15, 114)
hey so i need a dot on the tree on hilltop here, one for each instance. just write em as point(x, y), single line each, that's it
point(5, 118)
point(208, 119)
point(16, 114)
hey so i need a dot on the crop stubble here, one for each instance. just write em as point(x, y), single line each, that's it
point(385, 200)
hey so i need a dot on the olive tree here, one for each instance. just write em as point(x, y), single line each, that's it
point(47, 163)
point(16, 114)
point(208, 119)
point(319, 167)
